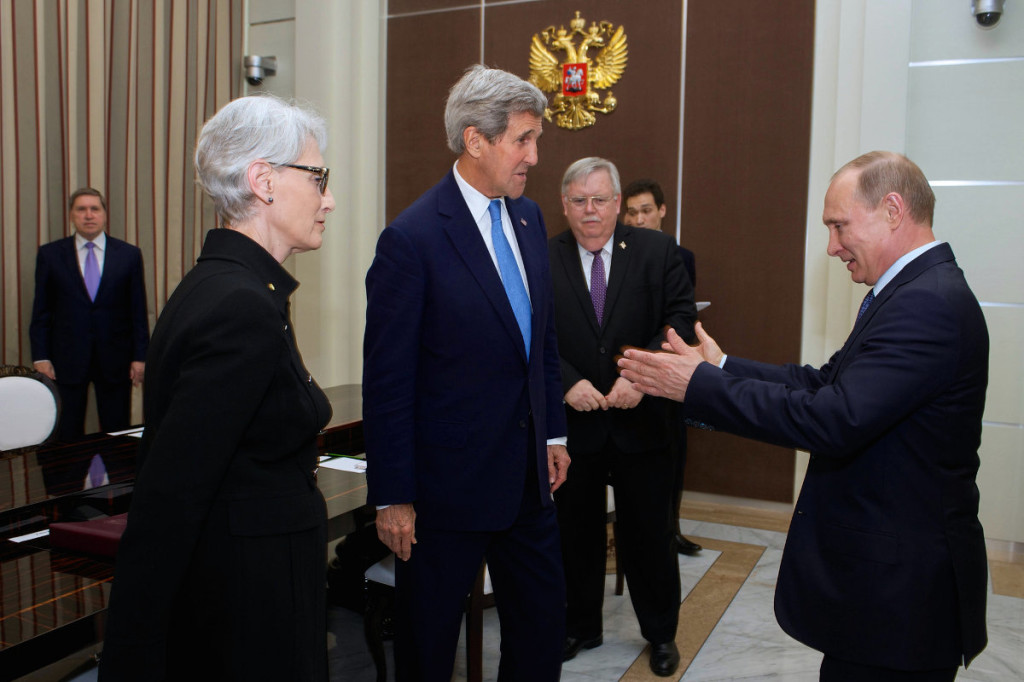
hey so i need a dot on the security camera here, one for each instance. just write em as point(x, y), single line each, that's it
point(987, 12)
point(257, 68)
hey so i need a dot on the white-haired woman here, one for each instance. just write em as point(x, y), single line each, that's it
point(220, 573)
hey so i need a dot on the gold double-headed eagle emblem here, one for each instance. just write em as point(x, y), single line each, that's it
point(576, 78)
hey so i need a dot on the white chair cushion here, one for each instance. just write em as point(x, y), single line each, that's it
point(28, 412)
point(383, 572)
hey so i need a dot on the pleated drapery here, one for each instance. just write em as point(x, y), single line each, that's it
point(108, 94)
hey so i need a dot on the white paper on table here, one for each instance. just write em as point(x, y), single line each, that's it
point(30, 536)
point(356, 466)
point(134, 433)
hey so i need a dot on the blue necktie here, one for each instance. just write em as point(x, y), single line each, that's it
point(867, 302)
point(510, 277)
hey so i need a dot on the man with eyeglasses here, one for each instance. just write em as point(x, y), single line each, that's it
point(616, 286)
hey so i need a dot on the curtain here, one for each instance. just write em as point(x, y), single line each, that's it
point(109, 94)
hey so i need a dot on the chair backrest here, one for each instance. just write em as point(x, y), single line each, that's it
point(29, 408)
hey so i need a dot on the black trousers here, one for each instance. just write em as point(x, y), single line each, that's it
point(113, 406)
point(836, 670)
point(677, 431)
point(644, 487)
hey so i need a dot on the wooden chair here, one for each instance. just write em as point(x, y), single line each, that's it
point(378, 626)
point(380, 588)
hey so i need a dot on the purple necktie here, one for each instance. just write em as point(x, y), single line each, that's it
point(92, 271)
point(97, 472)
point(598, 287)
point(867, 302)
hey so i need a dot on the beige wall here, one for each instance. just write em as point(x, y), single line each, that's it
point(919, 76)
point(330, 55)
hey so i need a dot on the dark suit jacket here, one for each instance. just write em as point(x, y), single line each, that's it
point(648, 290)
point(691, 264)
point(885, 559)
point(66, 326)
point(225, 547)
point(448, 393)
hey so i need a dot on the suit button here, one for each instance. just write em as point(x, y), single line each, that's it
point(602, 350)
point(522, 423)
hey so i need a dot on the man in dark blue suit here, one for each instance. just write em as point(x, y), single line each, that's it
point(645, 207)
point(884, 569)
point(462, 398)
point(89, 320)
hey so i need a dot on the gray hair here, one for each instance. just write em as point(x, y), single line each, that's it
point(485, 98)
point(585, 167)
point(244, 130)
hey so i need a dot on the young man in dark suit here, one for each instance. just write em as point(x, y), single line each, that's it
point(616, 286)
point(884, 569)
point(462, 416)
point(89, 320)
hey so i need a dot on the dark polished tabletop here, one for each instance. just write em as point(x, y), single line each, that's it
point(52, 602)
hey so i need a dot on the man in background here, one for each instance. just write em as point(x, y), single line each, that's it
point(616, 286)
point(884, 569)
point(462, 399)
point(645, 207)
point(89, 319)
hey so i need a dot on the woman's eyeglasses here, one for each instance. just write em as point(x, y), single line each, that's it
point(322, 171)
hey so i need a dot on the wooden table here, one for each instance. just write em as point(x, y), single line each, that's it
point(53, 603)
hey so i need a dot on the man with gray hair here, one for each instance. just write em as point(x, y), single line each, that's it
point(462, 417)
point(616, 286)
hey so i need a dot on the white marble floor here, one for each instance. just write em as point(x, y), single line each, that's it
point(744, 643)
point(747, 643)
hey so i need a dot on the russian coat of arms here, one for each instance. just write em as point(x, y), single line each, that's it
point(577, 77)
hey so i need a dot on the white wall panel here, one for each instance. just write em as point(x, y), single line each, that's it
point(985, 226)
point(964, 98)
point(1000, 479)
point(1005, 399)
point(261, 11)
point(276, 39)
point(964, 121)
point(945, 29)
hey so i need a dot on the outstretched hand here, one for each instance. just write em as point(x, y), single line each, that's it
point(665, 374)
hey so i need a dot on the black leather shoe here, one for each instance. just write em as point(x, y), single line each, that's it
point(664, 658)
point(573, 645)
point(685, 546)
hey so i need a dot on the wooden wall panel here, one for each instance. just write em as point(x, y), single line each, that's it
point(745, 164)
point(420, 73)
point(641, 136)
point(745, 156)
